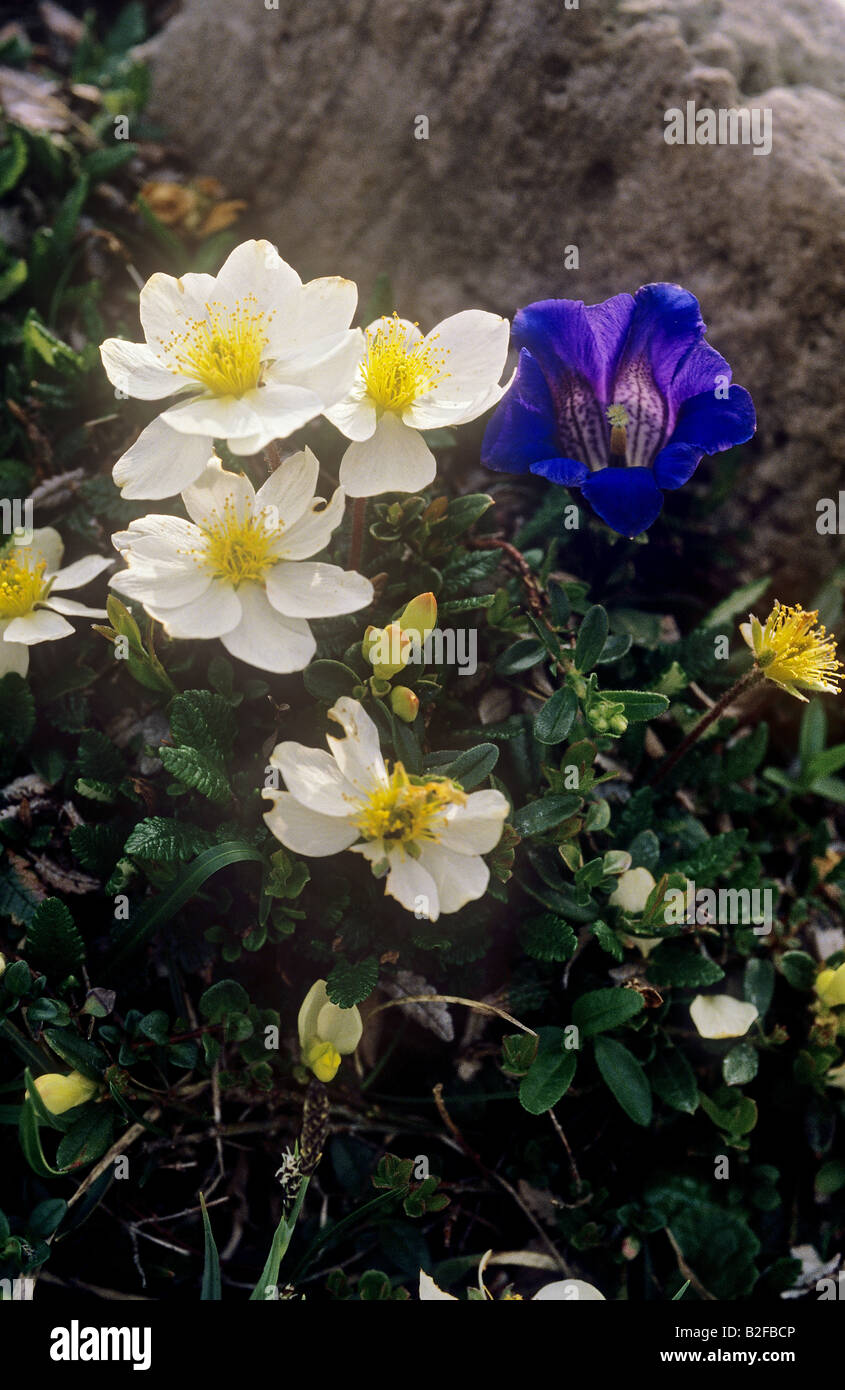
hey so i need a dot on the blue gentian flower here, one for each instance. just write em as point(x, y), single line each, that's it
point(621, 399)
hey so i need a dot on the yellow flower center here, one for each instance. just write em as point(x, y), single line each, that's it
point(793, 649)
point(396, 372)
point(238, 550)
point(224, 350)
point(324, 1059)
point(21, 585)
point(406, 812)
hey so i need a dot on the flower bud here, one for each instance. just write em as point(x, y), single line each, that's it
point(830, 986)
point(404, 703)
point(419, 617)
point(387, 649)
point(632, 891)
point(326, 1032)
point(60, 1093)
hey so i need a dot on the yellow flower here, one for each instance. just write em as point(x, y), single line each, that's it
point(60, 1093)
point(793, 650)
point(326, 1032)
point(830, 986)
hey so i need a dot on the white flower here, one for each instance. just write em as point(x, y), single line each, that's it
point(567, 1290)
point(632, 891)
point(259, 352)
point(31, 579)
point(721, 1016)
point(407, 383)
point(425, 837)
point(238, 570)
point(326, 1032)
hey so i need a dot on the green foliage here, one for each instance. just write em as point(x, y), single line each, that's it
point(52, 939)
point(351, 982)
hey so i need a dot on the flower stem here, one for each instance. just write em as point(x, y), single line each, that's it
point(752, 677)
point(356, 540)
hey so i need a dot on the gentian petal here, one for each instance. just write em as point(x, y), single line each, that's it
point(665, 326)
point(675, 465)
point(627, 499)
point(706, 425)
point(567, 472)
point(522, 428)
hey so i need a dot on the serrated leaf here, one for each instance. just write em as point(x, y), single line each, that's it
point(202, 720)
point(17, 710)
point(599, 1010)
point(625, 1078)
point(98, 847)
point(350, 983)
point(681, 964)
point(162, 837)
point(608, 940)
point(547, 937)
point(53, 941)
point(197, 771)
point(98, 760)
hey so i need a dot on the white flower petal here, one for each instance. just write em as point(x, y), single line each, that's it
point(290, 487)
point(216, 417)
point(460, 878)
point(166, 587)
point(430, 1293)
point(166, 303)
point(476, 827)
point(343, 1028)
point(314, 778)
point(215, 613)
point(394, 459)
point(309, 1012)
point(218, 495)
point(14, 656)
point(38, 626)
point(280, 408)
point(310, 589)
point(476, 344)
point(305, 831)
point(355, 416)
point(71, 609)
point(721, 1016)
point(134, 369)
point(256, 268)
point(570, 1291)
point(46, 545)
point(412, 886)
point(81, 572)
point(330, 375)
point(265, 639)
point(358, 755)
point(325, 309)
point(170, 539)
point(632, 891)
point(312, 532)
point(161, 462)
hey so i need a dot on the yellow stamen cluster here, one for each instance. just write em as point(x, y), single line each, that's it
point(238, 550)
point(21, 585)
point(618, 419)
point(793, 650)
point(396, 372)
point(406, 812)
point(223, 350)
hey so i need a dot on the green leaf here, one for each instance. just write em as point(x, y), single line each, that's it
point(224, 998)
point(350, 983)
point(798, 969)
point(197, 771)
point(625, 1078)
point(98, 847)
point(545, 813)
point(741, 601)
point(78, 1052)
point(681, 964)
point(640, 705)
point(12, 161)
point(211, 1290)
point(608, 940)
point(825, 763)
point(740, 1064)
point(520, 656)
point(29, 1138)
point(599, 1010)
point(87, 1140)
point(53, 941)
point(674, 1080)
point(101, 164)
point(556, 717)
point(267, 1285)
point(592, 636)
point(733, 1112)
point(328, 680)
point(830, 1177)
point(161, 837)
point(203, 720)
point(813, 735)
point(547, 937)
point(17, 710)
point(550, 1074)
point(98, 760)
point(12, 278)
point(758, 984)
point(472, 766)
point(155, 913)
